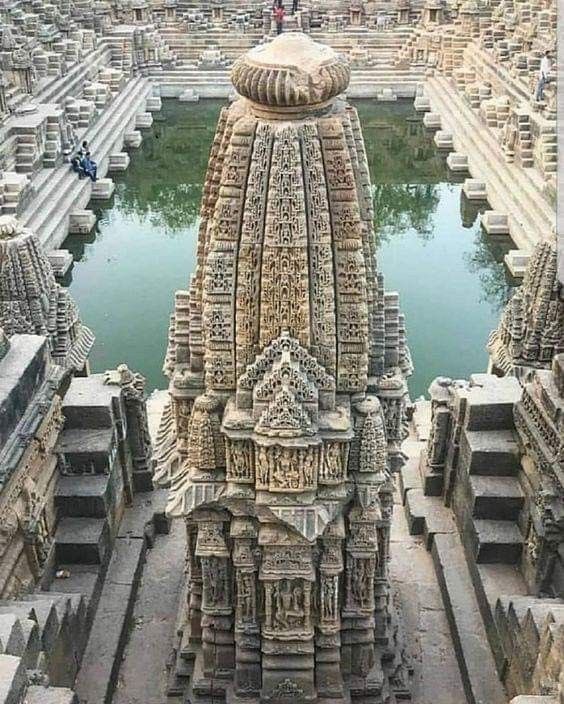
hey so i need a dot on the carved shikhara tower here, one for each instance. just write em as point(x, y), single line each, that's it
point(287, 365)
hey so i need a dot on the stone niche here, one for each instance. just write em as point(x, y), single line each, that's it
point(287, 364)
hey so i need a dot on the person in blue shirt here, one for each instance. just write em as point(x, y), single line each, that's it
point(90, 167)
point(76, 164)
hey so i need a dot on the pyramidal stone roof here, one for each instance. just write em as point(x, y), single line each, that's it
point(32, 302)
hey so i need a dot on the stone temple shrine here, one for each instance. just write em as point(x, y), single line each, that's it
point(279, 519)
point(276, 455)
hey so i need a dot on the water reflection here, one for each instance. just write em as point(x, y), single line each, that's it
point(163, 185)
point(430, 246)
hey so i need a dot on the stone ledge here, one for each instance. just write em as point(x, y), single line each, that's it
point(479, 674)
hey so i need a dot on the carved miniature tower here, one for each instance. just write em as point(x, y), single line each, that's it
point(274, 442)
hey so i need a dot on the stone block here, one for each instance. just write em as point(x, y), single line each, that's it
point(61, 260)
point(22, 371)
point(457, 162)
point(496, 541)
point(387, 95)
point(102, 189)
point(414, 503)
point(495, 223)
point(496, 497)
point(189, 96)
point(133, 139)
point(143, 120)
point(87, 450)
point(49, 613)
point(83, 496)
point(12, 679)
point(493, 453)
point(81, 222)
point(433, 482)
point(517, 262)
point(474, 189)
point(33, 646)
point(88, 403)
point(154, 103)
point(422, 104)
point(37, 694)
point(490, 402)
point(443, 140)
point(477, 666)
point(12, 640)
point(432, 120)
point(118, 162)
point(534, 699)
point(81, 540)
point(409, 477)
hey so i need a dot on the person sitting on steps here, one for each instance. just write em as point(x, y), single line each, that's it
point(83, 164)
point(76, 164)
point(90, 167)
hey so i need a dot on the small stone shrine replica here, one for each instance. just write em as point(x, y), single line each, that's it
point(274, 444)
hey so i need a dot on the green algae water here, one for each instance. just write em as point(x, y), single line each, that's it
point(450, 276)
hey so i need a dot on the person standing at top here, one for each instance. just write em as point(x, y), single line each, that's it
point(544, 72)
point(294, 6)
point(279, 17)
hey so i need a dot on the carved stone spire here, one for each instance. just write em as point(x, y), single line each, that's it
point(274, 446)
point(32, 302)
point(531, 329)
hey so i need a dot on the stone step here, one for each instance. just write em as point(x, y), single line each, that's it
point(32, 637)
point(48, 217)
point(497, 498)
point(37, 694)
point(51, 613)
point(83, 541)
point(20, 637)
point(490, 453)
point(12, 679)
point(97, 677)
point(495, 541)
point(516, 191)
point(87, 496)
point(519, 621)
point(12, 639)
point(427, 515)
point(44, 614)
point(476, 662)
point(69, 606)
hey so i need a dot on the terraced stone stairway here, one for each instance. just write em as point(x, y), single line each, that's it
point(367, 81)
point(511, 189)
point(59, 191)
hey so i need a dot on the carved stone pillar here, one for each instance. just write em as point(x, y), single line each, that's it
point(287, 627)
point(329, 680)
point(194, 592)
point(218, 651)
point(358, 613)
point(133, 386)
point(247, 632)
point(439, 435)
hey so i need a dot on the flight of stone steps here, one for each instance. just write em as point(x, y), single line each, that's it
point(530, 216)
point(368, 80)
point(531, 634)
point(59, 191)
point(41, 645)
